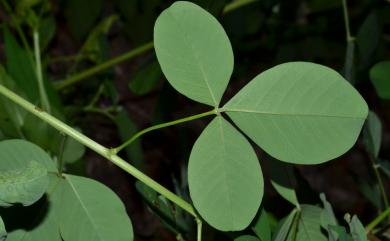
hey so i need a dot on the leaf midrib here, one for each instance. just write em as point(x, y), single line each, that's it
point(90, 218)
point(290, 114)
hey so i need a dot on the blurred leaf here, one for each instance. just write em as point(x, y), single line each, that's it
point(3, 232)
point(224, 177)
point(261, 226)
point(373, 135)
point(309, 225)
point(127, 128)
point(146, 79)
point(169, 213)
point(20, 66)
point(47, 30)
point(316, 6)
point(380, 78)
point(73, 150)
point(283, 180)
point(385, 166)
point(90, 211)
point(357, 229)
point(82, 15)
point(284, 227)
point(23, 185)
point(246, 238)
point(367, 40)
point(283, 107)
point(92, 46)
point(349, 63)
point(341, 233)
point(328, 218)
point(372, 193)
point(196, 65)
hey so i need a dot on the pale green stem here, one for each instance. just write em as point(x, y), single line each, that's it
point(346, 22)
point(105, 112)
point(101, 150)
point(236, 4)
point(377, 220)
point(159, 126)
point(103, 66)
point(42, 92)
point(199, 229)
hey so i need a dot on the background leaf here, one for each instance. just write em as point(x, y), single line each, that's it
point(261, 226)
point(3, 232)
point(246, 238)
point(380, 78)
point(90, 211)
point(357, 229)
point(194, 52)
point(146, 79)
point(373, 135)
point(285, 226)
point(313, 113)
point(283, 180)
point(224, 176)
point(309, 224)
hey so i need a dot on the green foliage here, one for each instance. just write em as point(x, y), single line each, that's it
point(283, 180)
point(26, 185)
point(261, 226)
point(224, 177)
point(89, 211)
point(3, 232)
point(283, 107)
point(379, 75)
point(246, 238)
point(197, 65)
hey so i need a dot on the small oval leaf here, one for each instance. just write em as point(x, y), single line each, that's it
point(380, 77)
point(91, 212)
point(300, 112)
point(194, 52)
point(24, 185)
point(225, 178)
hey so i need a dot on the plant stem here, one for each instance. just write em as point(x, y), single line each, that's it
point(199, 229)
point(103, 66)
point(104, 112)
point(377, 220)
point(380, 183)
point(42, 92)
point(346, 22)
point(101, 150)
point(159, 126)
point(236, 4)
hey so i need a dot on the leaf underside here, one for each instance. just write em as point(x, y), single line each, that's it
point(299, 112)
point(225, 178)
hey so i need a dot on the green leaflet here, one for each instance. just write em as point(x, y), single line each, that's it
point(20, 66)
point(328, 217)
point(285, 227)
point(194, 52)
point(357, 230)
point(3, 232)
point(373, 135)
point(24, 185)
point(261, 226)
point(309, 224)
point(246, 238)
point(19, 153)
point(283, 180)
point(380, 77)
point(225, 178)
point(89, 211)
point(300, 112)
